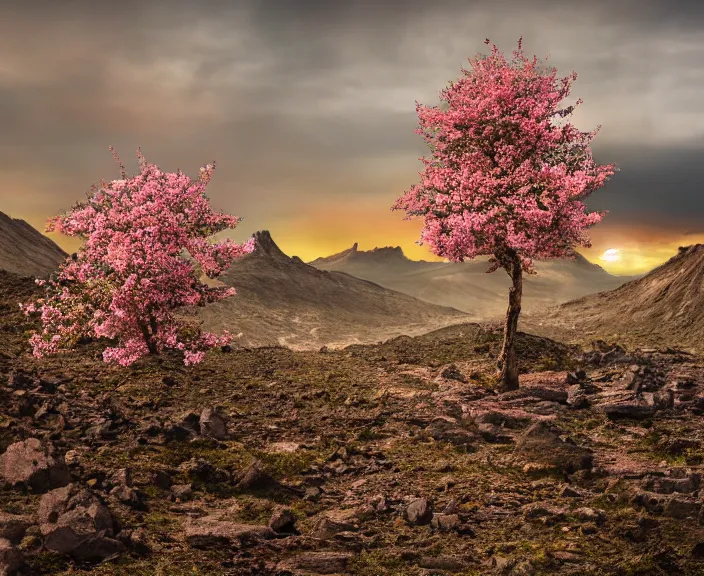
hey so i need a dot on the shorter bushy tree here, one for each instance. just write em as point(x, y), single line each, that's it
point(130, 277)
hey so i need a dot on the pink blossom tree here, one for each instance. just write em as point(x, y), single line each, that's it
point(505, 180)
point(130, 277)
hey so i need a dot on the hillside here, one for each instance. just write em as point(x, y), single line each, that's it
point(282, 300)
point(26, 251)
point(665, 305)
point(466, 286)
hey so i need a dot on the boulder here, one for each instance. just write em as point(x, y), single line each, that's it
point(74, 521)
point(542, 444)
point(213, 531)
point(35, 465)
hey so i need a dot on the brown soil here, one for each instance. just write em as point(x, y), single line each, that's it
point(352, 436)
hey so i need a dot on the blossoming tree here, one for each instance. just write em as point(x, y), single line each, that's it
point(505, 180)
point(129, 276)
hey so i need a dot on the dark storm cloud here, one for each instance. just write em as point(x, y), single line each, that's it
point(308, 102)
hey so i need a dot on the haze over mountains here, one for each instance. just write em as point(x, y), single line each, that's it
point(367, 296)
point(467, 286)
point(282, 300)
point(26, 251)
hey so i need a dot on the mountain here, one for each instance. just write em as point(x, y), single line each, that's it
point(26, 251)
point(665, 305)
point(466, 286)
point(282, 300)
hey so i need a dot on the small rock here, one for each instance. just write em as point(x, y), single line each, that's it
point(283, 520)
point(627, 409)
point(445, 522)
point(680, 507)
point(442, 562)
point(213, 423)
point(548, 513)
point(312, 493)
point(161, 479)
point(35, 465)
point(589, 515)
point(569, 492)
point(254, 477)
point(182, 492)
point(451, 372)
point(542, 444)
point(419, 512)
point(123, 477)
point(333, 522)
point(128, 496)
point(10, 558)
point(576, 397)
point(199, 469)
point(72, 457)
point(13, 527)
point(318, 562)
point(443, 466)
point(211, 531)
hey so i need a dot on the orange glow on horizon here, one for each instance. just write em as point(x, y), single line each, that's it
point(321, 233)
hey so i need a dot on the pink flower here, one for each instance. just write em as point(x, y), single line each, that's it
point(129, 277)
point(502, 175)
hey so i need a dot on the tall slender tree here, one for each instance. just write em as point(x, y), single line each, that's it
point(505, 178)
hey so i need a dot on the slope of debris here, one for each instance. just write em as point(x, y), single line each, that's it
point(26, 251)
point(666, 306)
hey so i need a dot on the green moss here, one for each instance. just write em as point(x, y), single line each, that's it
point(377, 563)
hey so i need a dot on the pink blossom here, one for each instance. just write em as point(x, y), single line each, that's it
point(503, 176)
point(129, 277)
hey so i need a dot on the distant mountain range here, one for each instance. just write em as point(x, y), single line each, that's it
point(282, 300)
point(366, 296)
point(26, 251)
point(466, 286)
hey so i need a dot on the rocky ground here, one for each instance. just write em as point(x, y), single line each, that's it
point(391, 459)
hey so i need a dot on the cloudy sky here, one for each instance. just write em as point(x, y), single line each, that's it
point(309, 107)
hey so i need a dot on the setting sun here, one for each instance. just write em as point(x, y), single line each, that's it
point(611, 255)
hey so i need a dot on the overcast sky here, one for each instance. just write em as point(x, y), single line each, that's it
point(309, 107)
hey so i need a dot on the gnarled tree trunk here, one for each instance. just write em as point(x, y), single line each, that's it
point(507, 377)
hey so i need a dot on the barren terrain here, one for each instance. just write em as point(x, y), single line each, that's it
point(390, 459)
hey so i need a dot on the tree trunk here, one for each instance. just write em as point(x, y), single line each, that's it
point(507, 377)
point(149, 338)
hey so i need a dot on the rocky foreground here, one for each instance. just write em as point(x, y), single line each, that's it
point(393, 459)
